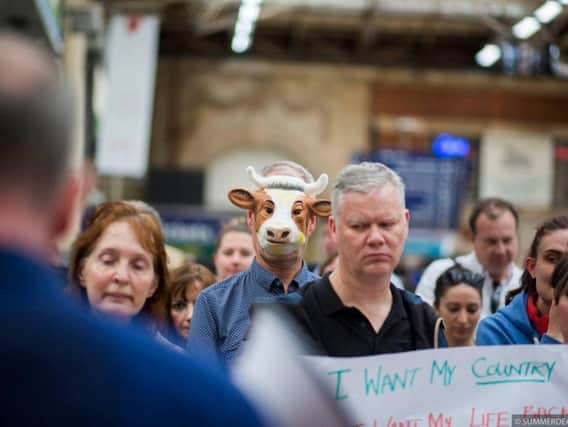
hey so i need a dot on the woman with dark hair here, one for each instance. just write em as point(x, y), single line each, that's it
point(526, 320)
point(234, 250)
point(118, 264)
point(458, 300)
point(186, 282)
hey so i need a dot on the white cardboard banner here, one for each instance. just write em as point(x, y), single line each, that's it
point(462, 387)
point(131, 56)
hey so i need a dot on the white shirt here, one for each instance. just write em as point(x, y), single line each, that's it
point(427, 284)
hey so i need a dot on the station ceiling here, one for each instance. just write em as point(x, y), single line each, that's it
point(407, 33)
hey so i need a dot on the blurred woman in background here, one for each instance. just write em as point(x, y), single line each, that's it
point(186, 282)
point(234, 251)
point(525, 319)
point(457, 300)
point(118, 265)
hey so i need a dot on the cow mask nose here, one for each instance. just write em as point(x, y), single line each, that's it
point(278, 234)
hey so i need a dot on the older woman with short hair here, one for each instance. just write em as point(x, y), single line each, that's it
point(118, 264)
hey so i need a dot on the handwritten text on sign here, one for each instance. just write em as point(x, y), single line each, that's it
point(467, 387)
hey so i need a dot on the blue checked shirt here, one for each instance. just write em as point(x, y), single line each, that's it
point(221, 318)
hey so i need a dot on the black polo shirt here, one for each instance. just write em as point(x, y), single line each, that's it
point(334, 329)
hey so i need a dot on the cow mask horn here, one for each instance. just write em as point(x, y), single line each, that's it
point(289, 182)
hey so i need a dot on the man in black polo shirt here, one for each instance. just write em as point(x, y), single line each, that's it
point(356, 311)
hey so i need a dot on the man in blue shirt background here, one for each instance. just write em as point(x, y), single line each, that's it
point(58, 364)
point(282, 216)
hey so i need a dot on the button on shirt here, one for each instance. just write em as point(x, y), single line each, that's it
point(277, 287)
point(221, 314)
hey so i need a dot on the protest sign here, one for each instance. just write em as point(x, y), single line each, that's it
point(463, 387)
point(448, 387)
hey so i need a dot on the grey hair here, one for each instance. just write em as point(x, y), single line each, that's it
point(363, 178)
point(281, 166)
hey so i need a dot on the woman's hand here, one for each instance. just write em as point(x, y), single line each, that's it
point(554, 323)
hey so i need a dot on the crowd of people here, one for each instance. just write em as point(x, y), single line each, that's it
point(118, 268)
point(128, 326)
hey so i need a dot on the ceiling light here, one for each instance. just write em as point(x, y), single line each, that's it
point(488, 55)
point(548, 11)
point(244, 26)
point(249, 12)
point(526, 27)
point(251, 2)
point(240, 43)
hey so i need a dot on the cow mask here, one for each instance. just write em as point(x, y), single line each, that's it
point(283, 207)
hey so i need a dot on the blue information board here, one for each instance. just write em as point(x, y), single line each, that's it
point(193, 231)
point(434, 186)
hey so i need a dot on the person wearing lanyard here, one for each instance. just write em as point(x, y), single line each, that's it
point(493, 224)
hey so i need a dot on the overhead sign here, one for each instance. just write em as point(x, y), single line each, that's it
point(132, 50)
point(434, 186)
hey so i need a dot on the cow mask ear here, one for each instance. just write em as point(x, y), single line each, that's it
point(242, 198)
point(321, 208)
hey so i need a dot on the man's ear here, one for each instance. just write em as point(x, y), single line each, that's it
point(406, 222)
point(69, 205)
point(311, 225)
point(67, 209)
point(331, 227)
point(251, 221)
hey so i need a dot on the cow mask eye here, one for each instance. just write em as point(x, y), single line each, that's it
point(298, 209)
point(268, 209)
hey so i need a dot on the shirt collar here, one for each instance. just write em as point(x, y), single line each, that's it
point(266, 279)
point(479, 268)
point(331, 303)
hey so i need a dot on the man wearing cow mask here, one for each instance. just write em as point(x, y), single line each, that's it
point(356, 310)
point(281, 214)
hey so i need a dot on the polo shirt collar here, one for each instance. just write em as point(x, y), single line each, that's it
point(331, 303)
point(265, 278)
